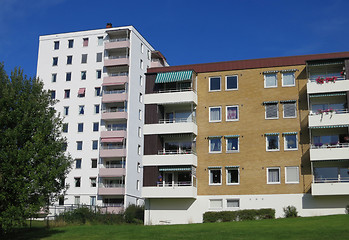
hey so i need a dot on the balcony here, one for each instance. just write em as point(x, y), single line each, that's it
point(114, 133)
point(114, 113)
point(177, 190)
point(331, 117)
point(172, 127)
point(117, 43)
point(115, 79)
point(339, 85)
point(336, 151)
point(105, 153)
point(114, 96)
point(170, 158)
point(111, 189)
point(112, 172)
point(113, 61)
point(172, 96)
point(330, 188)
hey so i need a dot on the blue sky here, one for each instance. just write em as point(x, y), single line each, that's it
point(185, 31)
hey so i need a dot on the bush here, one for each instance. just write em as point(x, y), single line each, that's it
point(134, 214)
point(241, 215)
point(290, 211)
point(347, 209)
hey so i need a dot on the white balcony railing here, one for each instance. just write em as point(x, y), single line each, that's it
point(177, 120)
point(117, 40)
point(112, 185)
point(116, 57)
point(329, 111)
point(175, 90)
point(329, 145)
point(175, 184)
point(170, 152)
point(315, 79)
point(116, 74)
point(332, 180)
point(115, 91)
point(114, 110)
point(114, 166)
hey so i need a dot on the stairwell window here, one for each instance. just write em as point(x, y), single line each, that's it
point(270, 80)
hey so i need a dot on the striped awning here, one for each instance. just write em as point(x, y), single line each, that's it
point(168, 77)
point(328, 94)
point(231, 136)
point(232, 166)
point(289, 133)
point(214, 167)
point(271, 134)
point(270, 102)
point(288, 101)
point(325, 63)
point(267, 72)
point(113, 83)
point(289, 70)
point(329, 126)
point(214, 136)
point(174, 168)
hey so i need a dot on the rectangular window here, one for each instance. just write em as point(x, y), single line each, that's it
point(271, 111)
point(270, 80)
point(141, 64)
point(233, 176)
point(273, 175)
point(53, 94)
point(66, 111)
point(81, 92)
point(140, 114)
point(94, 144)
point(85, 42)
point(80, 127)
point(290, 141)
point(138, 185)
point(81, 109)
point(61, 200)
point(291, 174)
point(94, 163)
point(272, 142)
point(100, 41)
point(84, 58)
point(77, 183)
point(216, 203)
point(139, 150)
point(98, 74)
point(288, 79)
point(56, 45)
point(69, 60)
point(149, 55)
point(215, 177)
point(139, 132)
point(232, 144)
point(138, 167)
point(142, 48)
point(215, 83)
point(97, 91)
point(289, 110)
point(99, 57)
point(93, 181)
point(231, 82)
point(140, 97)
point(232, 113)
point(54, 77)
point(140, 80)
point(233, 203)
point(215, 114)
point(78, 163)
point(77, 200)
point(215, 145)
point(68, 76)
point(67, 93)
point(96, 108)
point(78, 145)
point(70, 43)
point(83, 75)
point(65, 127)
point(55, 61)
point(95, 126)
point(92, 200)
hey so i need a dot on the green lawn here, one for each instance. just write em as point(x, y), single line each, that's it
point(326, 227)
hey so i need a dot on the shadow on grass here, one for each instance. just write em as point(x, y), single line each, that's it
point(33, 233)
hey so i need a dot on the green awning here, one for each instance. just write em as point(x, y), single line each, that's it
point(325, 63)
point(289, 70)
point(231, 136)
point(288, 101)
point(269, 102)
point(289, 133)
point(271, 134)
point(174, 169)
point(330, 126)
point(273, 71)
point(232, 166)
point(328, 94)
point(215, 167)
point(214, 136)
point(168, 77)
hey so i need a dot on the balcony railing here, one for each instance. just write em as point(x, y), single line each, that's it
point(178, 120)
point(175, 184)
point(112, 185)
point(107, 147)
point(332, 180)
point(115, 91)
point(329, 145)
point(338, 78)
point(175, 90)
point(114, 110)
point(115, 166)
point(169, 152)
point(117, 39)
point(329, 111)
point(118, 74)
point(116, 128)
point(113, 205)
point(117, 57)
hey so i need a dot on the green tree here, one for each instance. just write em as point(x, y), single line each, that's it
point(33, 162)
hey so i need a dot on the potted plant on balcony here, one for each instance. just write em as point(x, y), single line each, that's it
point(331, 79)
point(320, 80)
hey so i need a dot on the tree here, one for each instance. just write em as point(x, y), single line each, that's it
point(33, 162)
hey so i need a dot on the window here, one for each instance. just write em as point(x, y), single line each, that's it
point(61, 200)
point(100, 41)
point(53, 94)
point(67, 93)
point(77, 200)
point(99, 57)
point(65, 127)
point(233, 203)
point(142, 48)
point(270, 80)
point(77, 183)
point(273, 175)
point(289, 110)
point(215, 83)
point(271, 111)
point(81, 92)
point(55, 61)
point(215, 177)
point(85, 42)
point(97, 91)
point(94, 144)
point(80, 127)
point(54, 77)
point(140, 97)
point(232, 144)
point(96, 108)
point(84, 58)
point(233, 176)
point(215, 145)
point(56, 45)
point(231, 82)
point(83, 75)
point(215, 114)
point(149, 55)
point(79, 145)
point(66, 111)
point(69, 60)
point(92, 200)
point(70, 43)
point(93, 181)
point(141, 64)
point(78, 163)
point(232, 113)
point(68, 76)
point(98, 74)
point(138, 185)
point(216, 203)
point(138, 167)
point(94, 163)
point(140, 114)
point(139, 150)
point(290, 141)
point(95, 126)
point(139, 132)
point(272, 142)
point(288, 79)
point(291, 175)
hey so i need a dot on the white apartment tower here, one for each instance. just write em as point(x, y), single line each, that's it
point(97, 76)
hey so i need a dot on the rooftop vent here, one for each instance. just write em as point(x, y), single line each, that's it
point(109, 25)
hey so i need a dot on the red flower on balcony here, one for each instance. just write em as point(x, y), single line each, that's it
point(320, 80)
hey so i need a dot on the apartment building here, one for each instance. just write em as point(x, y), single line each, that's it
point(250, 134)
point(97, 76)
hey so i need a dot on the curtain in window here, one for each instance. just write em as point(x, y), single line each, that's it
point(215, 114)
point(289, 109)
point(271, 110)
point(270, 80)
point(292, 174)
point(215, 144)
point(232, 113)
point(273, 175)
point(232, 144)
point(288, 79)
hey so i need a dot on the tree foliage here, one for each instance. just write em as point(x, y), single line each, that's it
point(33, 162)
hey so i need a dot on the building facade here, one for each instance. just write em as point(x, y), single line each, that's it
point(251, 134)
point(97, 76)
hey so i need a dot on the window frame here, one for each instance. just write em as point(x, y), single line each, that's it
point(266, 142)
point(82, 58)
point(69, 59)
point(54, 77)
point(80, 127)
point(209, 178)
point(65, 110)
point(226, 83)
point(99, 57)
point(85, 42)
point(226, 113)
point(81, 109)
point(220, 114)
point(56, 45)
point(92, 163)
point(289, 182)
point(55, 61)
point(65, 127)
point(220, 84)
point(226, 176)
point(97, 107)
point(217, 200)
point(83, 75)
point(273, 168)
point(68, 76)
point(79, 145)
point(233, 199)
point(77, 181)
point(294, 79)
point(66, 93)
point(285, 143)
point(295, 109)
point(98, 74)
point(226, 145)
point(98, 92)
point(78, 162)
point(70, 43)
point(265, 80)
point(94, 144)
point(95, 126)
point(209, 145)
point(265, 111)
point(100, 40)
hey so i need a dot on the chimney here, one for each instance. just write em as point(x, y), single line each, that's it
point(109, 25)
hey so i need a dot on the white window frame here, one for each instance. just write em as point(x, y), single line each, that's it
point(285, 143)
point(139, 150)
point(226, 145)
point(272, 168)
point(266, 144)
point(226, 83)
point(142, 48)
point(265, 85)
point(209, 177)
point(286, 174)
point(209, 146)
point(139, 132)
point(277, 111)
point(295, 109)
point(234, 199)
point(226, 113)
point(220, 117)
point(100, 41)
point(220, 199)
point(294, 79)
point(226, 176)
point(140, 114)
point(220, 84)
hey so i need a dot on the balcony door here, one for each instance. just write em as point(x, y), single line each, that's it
point(168, 179)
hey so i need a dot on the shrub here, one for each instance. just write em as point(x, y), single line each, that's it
point(290, 211)
point(347, 209)
point(134, 214)
point(241, 215)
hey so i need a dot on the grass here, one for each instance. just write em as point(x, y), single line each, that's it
point(325, 227)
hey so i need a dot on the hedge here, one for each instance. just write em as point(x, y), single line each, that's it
point(241, 215)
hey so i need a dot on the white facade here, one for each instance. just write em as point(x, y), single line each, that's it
point(98, 79)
